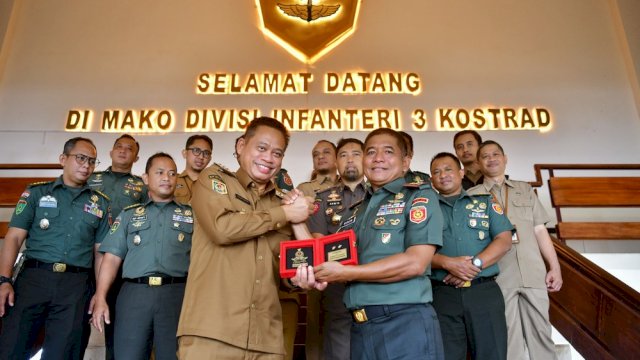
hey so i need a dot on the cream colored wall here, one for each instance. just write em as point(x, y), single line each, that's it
point(568, 56)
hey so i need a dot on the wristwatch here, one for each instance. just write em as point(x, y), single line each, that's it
point(4, 279)
point(477, 262)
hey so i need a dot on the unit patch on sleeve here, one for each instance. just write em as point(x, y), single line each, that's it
point(418, 214)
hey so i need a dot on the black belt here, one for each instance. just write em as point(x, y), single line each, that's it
point(55, 267)
point(371, 312)
point(157, 280)
point(473, 282)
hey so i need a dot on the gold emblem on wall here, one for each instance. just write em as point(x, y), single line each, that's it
point(308, 29)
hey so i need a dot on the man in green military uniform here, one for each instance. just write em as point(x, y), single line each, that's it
point(124, 189)
point(466, 297)
point(153, 243)
point(62, 222)
point(398, 228)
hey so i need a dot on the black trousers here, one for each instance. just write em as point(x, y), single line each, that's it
point(56, 301)
point(471, 316)
point(147, 316)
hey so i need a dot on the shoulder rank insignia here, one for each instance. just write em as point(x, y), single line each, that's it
point(132, 206)
point(38, 183)
point(102, 194)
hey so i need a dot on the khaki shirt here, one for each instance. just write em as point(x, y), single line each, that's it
point(184, 188)
point(523, 265)
point(320, 183)
point(232, 291)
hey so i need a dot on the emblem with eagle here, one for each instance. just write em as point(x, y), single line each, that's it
point(309, 12)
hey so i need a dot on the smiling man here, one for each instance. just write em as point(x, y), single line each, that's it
point(398, 228)
point(62, 222)
point(152, 242)
point(231, 305)
point(466, 297)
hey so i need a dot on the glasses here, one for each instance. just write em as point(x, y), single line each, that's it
point(83, 159)
point(197, 152)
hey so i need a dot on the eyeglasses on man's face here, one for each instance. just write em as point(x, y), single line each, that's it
point(197, 152)
point(83, 159)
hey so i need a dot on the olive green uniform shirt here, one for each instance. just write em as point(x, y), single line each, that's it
point(152, 238)
point(388, 222)
point(523, 265)
point(63, 223)
point(184, 188)
point(232, 291)
point(123, 189)
point(470, 224)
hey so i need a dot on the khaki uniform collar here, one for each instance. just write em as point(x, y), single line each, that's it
point(246, 181)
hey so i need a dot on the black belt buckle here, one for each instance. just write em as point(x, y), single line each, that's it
point(59, 267)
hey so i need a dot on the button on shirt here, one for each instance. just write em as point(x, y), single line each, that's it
point(123, 189)
point(154, 238)
point(470, 224)
point(236, 242)
point(63, 223)
point(388, 222)
point(523, 265)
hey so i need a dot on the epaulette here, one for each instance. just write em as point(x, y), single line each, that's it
point(102, 194)
point(38, 183)
point(223, 169)
point(481, 194)
point(132, 206)
point(327, 189)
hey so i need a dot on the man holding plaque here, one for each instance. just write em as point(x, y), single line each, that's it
point(231, 305)
point(398, 228)
point(331, 207)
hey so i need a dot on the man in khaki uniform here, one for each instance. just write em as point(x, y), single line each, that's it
point(326, 176)
point(197, 153)
point(325, 168)
point(523, 278)
point(231, 305)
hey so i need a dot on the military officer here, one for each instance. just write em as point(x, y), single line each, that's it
point(398, 228)
point(124, 189)
point(326, 176)
point(231, 305)
point(412, 175)
point(524, 279)
point(466, 143)
point(152, 241)
point(465, 295)
point(331, 207)
point(62, 222)
point(197, 153)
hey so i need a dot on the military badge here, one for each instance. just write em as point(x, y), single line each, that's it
point(482, 206)
point(473, 222)
point(329, 211)
point(418, 214)
point(94, 198)
point(44, 224)
point(485, 223)
point(394, 222)
point(181, 237)
point(187, 212)
point(335, 219)
point(115, 226)
point(20, 206)
point(399, 196)
point(140, 210)
point(497, 208)
point(25, 194)
point(379, 221)
point(219, 187)
point(419, 200)
point(481, 235)
point(316, 207)
point(48, 202)
point(136, 240)
point(385, 237)
point(469, 206)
